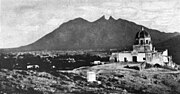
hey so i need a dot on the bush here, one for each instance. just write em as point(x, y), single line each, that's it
point(22, 72)
point(157, 66)
point(132, 67)
point(148, 66)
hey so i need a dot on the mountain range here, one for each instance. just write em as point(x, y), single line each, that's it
point(103, 33)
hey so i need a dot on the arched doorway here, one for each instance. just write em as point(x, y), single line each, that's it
point(125, 59)
point(134, 58)
point(115, 59)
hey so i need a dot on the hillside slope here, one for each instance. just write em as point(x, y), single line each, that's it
point(100, 34)
point(113, 79)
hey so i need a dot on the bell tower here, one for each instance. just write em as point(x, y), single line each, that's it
point(143, 41)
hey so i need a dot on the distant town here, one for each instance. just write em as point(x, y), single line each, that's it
point(50, 60)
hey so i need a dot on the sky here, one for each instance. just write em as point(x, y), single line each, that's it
point(24, 21)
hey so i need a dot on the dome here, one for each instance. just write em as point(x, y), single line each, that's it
point(142, 34)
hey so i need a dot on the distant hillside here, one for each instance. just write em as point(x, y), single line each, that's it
point(100, 34)
point(173, 45)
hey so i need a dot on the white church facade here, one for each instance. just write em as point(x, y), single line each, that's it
point(143, 51)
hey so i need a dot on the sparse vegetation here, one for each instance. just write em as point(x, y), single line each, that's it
point(121, 80)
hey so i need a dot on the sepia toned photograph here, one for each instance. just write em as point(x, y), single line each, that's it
point(89, 46)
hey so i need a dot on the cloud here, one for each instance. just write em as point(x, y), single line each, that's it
point(158, 5)
point(126, 12)
point(92, 13)
point(55, 21)
point(112, 4)
point(156, 14)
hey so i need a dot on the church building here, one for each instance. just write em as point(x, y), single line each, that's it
point(143, 51)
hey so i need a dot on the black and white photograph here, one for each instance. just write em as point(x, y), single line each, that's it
point(89, 46)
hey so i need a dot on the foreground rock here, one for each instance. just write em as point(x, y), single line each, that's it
point(113, 77)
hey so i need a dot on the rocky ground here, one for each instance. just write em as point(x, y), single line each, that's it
point(113, 78)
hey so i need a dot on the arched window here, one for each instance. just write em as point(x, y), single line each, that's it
point(147, 42)
point(141, 42)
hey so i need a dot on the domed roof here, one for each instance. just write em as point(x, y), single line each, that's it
point(142, 34)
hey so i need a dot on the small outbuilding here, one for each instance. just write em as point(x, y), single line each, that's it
point(91, 76)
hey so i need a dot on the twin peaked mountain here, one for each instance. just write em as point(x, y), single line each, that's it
point(100, 34)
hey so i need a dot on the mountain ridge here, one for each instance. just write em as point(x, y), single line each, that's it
point(98, 24)
point(103, 33)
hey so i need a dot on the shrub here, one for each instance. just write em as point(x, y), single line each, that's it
point(132, 67)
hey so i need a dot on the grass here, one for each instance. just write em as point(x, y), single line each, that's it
point(113, 77)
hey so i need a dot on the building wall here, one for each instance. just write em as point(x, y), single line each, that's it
point(143, 48)
point(165, 59)
point(151, 57)
point(129, 57)
point(143, 45)
point(113, 57)
point(157, 58)
point(140, 57)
